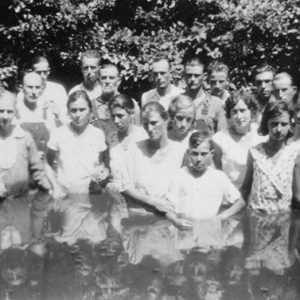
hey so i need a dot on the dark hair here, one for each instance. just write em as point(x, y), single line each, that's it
point(274, 109)
point(264, 68)
point(77, 95)
point(154, 107)
point(241, 95)
point(122, 101)
point(194, 61)
point(199, 137)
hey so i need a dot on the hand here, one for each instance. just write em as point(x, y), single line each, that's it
point(183, 224)
point(100, 173)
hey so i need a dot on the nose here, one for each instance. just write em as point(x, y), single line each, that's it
point(183, 123)
point(280, 93)
point(4, 115)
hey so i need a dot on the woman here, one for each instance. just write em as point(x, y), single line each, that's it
point(18, 153)
point(241, 133)
point(78, 148)
point(150, 164)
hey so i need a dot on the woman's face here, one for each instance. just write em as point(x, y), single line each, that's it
point(279, 127)
point(155, 126)
point(240, 117)
point(79, 112)
point(7, 113)
point(121, 117)
point(183, 120)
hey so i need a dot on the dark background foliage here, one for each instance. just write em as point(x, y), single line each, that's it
point(242, 34)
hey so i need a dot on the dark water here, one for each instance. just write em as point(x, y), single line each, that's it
point(95, 251)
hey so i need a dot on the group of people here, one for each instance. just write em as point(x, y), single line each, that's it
point(203, 152)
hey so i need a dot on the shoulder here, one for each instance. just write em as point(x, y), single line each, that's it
point(55, 85)
point(176, 90)
point(220, 136)
point(94, 131)
point(147, 96)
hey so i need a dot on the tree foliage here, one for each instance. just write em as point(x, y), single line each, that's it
point(132, 33)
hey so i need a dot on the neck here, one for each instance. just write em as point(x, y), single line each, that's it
point(273, 146)
point(193, 93)
point(263, 101)
point(197, 173)
point(238, 134)
point(90, 85)
point(78, 130)
point(123, 134)
point(107, 97)
point(164, 91)
point(174, 135)
point(158, 144)
point(6, 132)
point(296, 136)
point(30, 105)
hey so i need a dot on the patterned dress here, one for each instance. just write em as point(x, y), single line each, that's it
point(271, 189)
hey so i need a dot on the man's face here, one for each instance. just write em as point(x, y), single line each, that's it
point(32, 88)
point(218, 82)
point(263, 83)
point(109, 80)
point(90, 69)
point(200, 157)
point(283, 89)
point(161, 74)
point(194, 76)
point(42, 68)
point(7, 112)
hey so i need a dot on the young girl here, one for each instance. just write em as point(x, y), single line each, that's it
point(78, 148)
point(198, 191)
point(182, 115)
point(271, 170)
point(237, 137)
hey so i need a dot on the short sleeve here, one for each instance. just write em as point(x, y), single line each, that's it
point(53, 142)
point(101, 144)
point(230, 192)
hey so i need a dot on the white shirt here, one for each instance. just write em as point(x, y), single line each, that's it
point(202, 197)
point(78, 155)
point(93, 94)
point(153, 96)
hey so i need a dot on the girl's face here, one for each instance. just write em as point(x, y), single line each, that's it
point(183, 120)
point(121, 118)
point(7, 113)
point(240, 117)
point(155, 125)
point(279, 127)
point(297, 111)
point(79, 112)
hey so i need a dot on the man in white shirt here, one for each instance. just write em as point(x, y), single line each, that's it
point(90, 68)
point(164, 91)
point(53, 94)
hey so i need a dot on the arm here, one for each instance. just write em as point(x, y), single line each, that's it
point(217, 158)
point(233, 209)
point(161, 204)
point(296, 184)
point(247, 184)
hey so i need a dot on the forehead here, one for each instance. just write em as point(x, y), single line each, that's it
point(7, 103)
point(264, 76)
point(284, 82)
point(194, 70)
point(109, 71)
point(186, 112)
point(283, 117)
point(203, 147)
point(90, 61)
point(218, 75)
point(240, 105)
point(43, 65)
point(151, 116)
point(160, 66)
point(33, 80)
point(79, 103)
point(119, 111)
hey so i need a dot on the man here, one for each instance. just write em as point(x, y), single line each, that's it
point(109, 81)
point(31, 108)
point(209, 111)
point(90, 67)
point(164, 91)
point(53, 94)
point(283, 87)
point(218, 80)
point(264, 75)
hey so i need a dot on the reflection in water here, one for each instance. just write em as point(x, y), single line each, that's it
point(85, 251)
